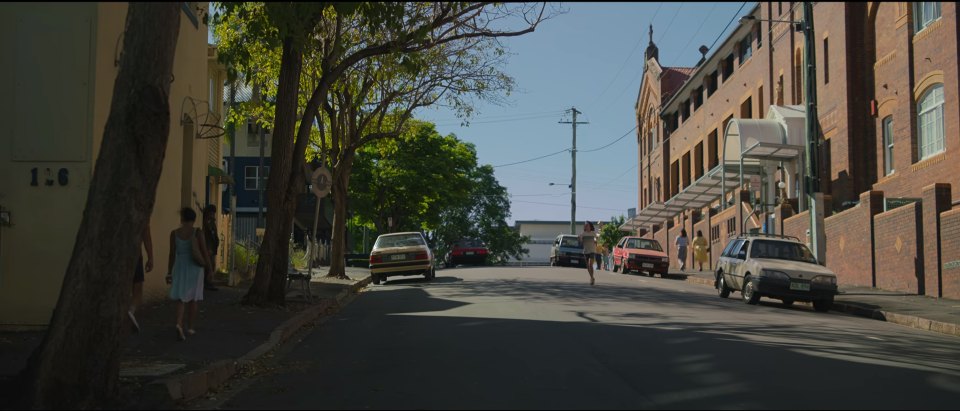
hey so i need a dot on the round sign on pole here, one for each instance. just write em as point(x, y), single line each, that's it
point(321, 181)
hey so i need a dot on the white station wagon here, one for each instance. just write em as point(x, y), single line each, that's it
point(766, 265)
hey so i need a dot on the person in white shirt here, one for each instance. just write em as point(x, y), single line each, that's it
point(682, 243)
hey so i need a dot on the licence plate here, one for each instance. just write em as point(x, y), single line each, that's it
point(574, 261)
point(398, 257)
point(800, 286)
point(469, 253)
point(647, 265)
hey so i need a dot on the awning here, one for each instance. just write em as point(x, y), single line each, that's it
point(219, 176)
point(655, 213)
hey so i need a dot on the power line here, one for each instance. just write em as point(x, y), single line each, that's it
point(612, 142)
point(728, 25)
point(670, 24)
point(505, 119)
point(705, 18)
point(533, 159)
point(624, 65)
point(564, 205)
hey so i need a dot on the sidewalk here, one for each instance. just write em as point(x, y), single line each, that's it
point(917, 311)
point(156, 369)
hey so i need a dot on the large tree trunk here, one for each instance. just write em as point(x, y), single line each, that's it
point(341, 181)
point(77, 364)
point(273, 252)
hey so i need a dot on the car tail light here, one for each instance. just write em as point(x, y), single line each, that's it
point(483, 251)
point(457, 252)
point(420, 256)
point(376, 258)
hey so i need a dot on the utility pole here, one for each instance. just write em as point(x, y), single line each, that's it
point(573, 176)
point(814, 196)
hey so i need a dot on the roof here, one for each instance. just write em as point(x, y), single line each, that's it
point(672, 79)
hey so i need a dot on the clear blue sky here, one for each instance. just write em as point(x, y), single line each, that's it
point(574, 60)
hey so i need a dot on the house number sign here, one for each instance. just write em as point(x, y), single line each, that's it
point(62, 177)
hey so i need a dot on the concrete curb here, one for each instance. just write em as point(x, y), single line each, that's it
point(193, 385)
point(891, 317)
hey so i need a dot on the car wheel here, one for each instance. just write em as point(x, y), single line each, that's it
point(722, 287)
point(427, 275)
point(822, 306)
point(787, 302)
point(750, 296)
point(376, 279)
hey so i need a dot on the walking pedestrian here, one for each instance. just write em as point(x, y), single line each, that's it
point(187, 261)
point(682, 242)
point(147, 242)
point(700, 249)
point(588, 238)
point(212, 238)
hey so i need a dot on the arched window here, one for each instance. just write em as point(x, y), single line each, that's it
point(930, 122)
point(888, 145)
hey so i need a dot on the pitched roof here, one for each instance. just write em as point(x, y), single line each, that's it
point(672, 79)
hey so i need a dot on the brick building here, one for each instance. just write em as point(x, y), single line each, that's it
point(887, 88)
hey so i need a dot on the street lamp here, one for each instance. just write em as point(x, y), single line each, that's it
point(812, 183)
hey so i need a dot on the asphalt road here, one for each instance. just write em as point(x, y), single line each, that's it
point(520, 338)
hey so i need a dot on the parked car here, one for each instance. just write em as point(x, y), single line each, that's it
point(466, 251)
point(765, 265)
point(398, 254)
point(641, 255)
point(567, 250)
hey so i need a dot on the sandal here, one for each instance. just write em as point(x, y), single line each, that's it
point(191, 331)
point(180, 335)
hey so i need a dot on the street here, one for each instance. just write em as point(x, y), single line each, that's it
point(542, 337)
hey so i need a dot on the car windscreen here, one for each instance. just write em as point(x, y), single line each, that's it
point(782, 250)
point(643, 244)
point(570, 242)
point(405, 240)
point(469, 244)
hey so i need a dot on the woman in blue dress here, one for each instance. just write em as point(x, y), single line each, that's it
point(186, 273)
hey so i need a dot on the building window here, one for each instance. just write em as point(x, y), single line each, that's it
point(779, 8)
point(888, 145)
point(924, 13)
point(759, 36)
point(826, 61)
point(727, 67)
point(711, 83)
point(746, 48)
point(685, 110)
point(250, 177)
point(697, 98)
point(930, 122)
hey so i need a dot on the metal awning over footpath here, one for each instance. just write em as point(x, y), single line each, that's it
point(747, 145)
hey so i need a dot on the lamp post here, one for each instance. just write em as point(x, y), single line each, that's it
point(814, 197)
point(573, 194)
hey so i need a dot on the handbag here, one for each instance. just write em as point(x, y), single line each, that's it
point(198, 256)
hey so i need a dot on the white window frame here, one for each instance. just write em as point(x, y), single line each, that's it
point(887, 130)
point(930, 127)
point(925, 13)
point(247, 178)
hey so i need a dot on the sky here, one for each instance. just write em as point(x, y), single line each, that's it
point(591, 57)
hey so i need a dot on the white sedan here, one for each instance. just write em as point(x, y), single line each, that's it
point(398, 254)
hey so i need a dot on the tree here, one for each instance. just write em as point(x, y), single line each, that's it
point(77, 364)
point(405, 184)
point(344, 36)
point(611, 234)
point(482, 215)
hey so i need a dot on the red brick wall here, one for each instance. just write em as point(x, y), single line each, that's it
point(661, 237)
point(797, 225)
point(850, 239)
point(899, 252)
point(950, 244)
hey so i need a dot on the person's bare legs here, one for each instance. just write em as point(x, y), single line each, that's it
point(590, 268)
point(192, 307)
point(180, 321)
point(134, 303)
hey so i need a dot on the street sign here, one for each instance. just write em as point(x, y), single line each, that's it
point(321, 181)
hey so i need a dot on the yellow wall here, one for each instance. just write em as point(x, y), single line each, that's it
point(59, 87)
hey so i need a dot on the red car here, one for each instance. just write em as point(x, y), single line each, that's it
point(640, 254)
point(467, 252)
